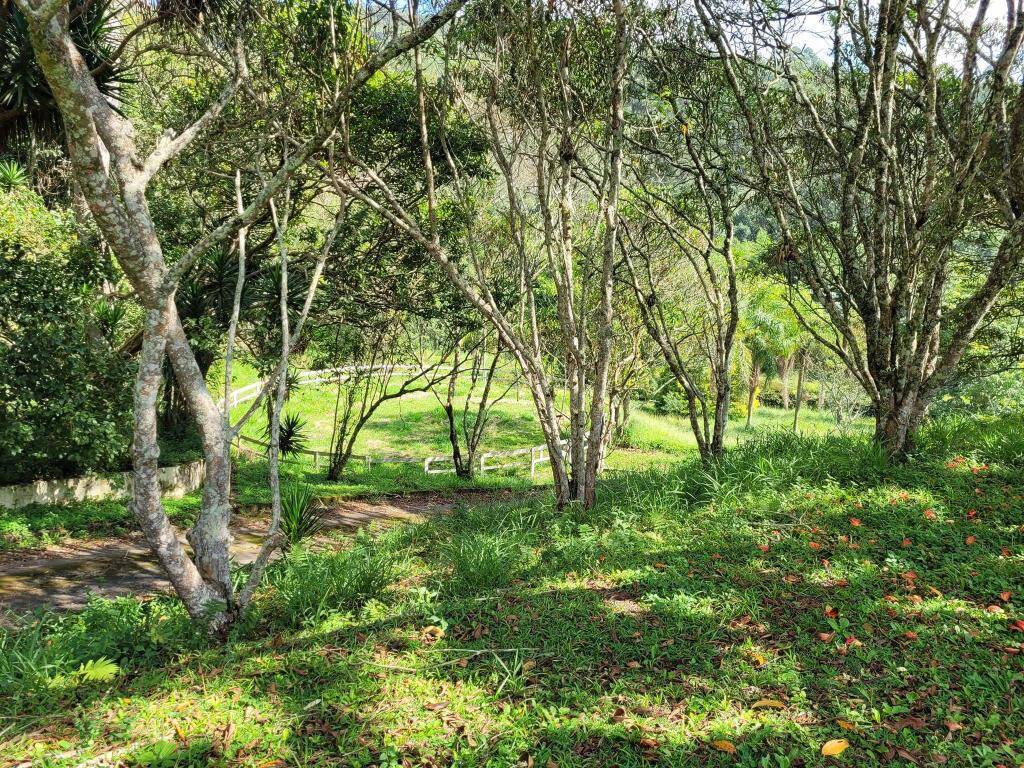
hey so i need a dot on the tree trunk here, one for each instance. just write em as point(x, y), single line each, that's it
point(785, 366)
point(752, 385)
point(799, 391)
point(896, 424)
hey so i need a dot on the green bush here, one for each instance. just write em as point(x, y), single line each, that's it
point(309, 586)
point(65, 390)
point(301, 517)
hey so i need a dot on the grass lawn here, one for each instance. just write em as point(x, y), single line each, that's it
point(803, 592)
point(410, 426)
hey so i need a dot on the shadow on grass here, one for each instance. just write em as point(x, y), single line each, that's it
point(797, 593)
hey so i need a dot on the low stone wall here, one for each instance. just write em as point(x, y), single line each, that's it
point(175, 482)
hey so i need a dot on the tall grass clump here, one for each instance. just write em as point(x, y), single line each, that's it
point(772, 461)
point(477, 562)
point(991, 439)
point(309, 586)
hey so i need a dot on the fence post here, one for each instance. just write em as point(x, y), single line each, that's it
point(483, 462)
point(533, 463)
point(426, 465)
point(367, 462)
point(316, 459)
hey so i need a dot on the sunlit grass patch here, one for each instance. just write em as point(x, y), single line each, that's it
point(680, 622)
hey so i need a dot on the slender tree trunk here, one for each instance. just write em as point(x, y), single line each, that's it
point(799, 391)
point(785, 366)
point(752, 385)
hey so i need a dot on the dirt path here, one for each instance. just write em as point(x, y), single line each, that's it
point(63, 577)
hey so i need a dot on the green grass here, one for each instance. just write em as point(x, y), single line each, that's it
point(862, 600)
point(411, 427)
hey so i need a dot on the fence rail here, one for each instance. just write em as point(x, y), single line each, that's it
point(538, 453)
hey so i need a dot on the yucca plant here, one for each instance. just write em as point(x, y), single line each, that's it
point(301, 516)
point(292, 435)
point(25, 96)
point(12, 176)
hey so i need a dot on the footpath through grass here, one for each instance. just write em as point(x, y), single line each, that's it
point(803, 592)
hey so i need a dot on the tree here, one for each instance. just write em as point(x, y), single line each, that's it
point(680, 255)
point(895, 173)
point(541, 137)
point(114, 170)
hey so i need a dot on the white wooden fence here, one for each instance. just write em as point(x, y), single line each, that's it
point(538, 453)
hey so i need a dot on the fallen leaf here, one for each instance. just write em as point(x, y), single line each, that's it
point(970, 540)
point(929, 514)
point(855, 522)
point(834, 747)
point(724, 746)
point(846, 725)
point(1005, 596)
point(768, 704)
point(814, 545)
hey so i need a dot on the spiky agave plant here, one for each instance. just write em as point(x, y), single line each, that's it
point(12, 176)
point(292, 435)
point(301, 516)
point(25, 97)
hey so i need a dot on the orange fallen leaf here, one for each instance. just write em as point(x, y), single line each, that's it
point(723, 745)
point(855, 522)
point(834, 747)
point(905, 543)
point(1005, 596)
point(846, 725)
point(910, 635)
point(814, 545)
point(929, 514)
point(970, 540)
point(768, 704)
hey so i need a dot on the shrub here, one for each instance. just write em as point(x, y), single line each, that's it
point(292, 436)
point(309, 586)
point(301, 517)
point(65, 391)
point(48, 652)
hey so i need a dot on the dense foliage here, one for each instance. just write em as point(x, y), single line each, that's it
point(65, 389)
